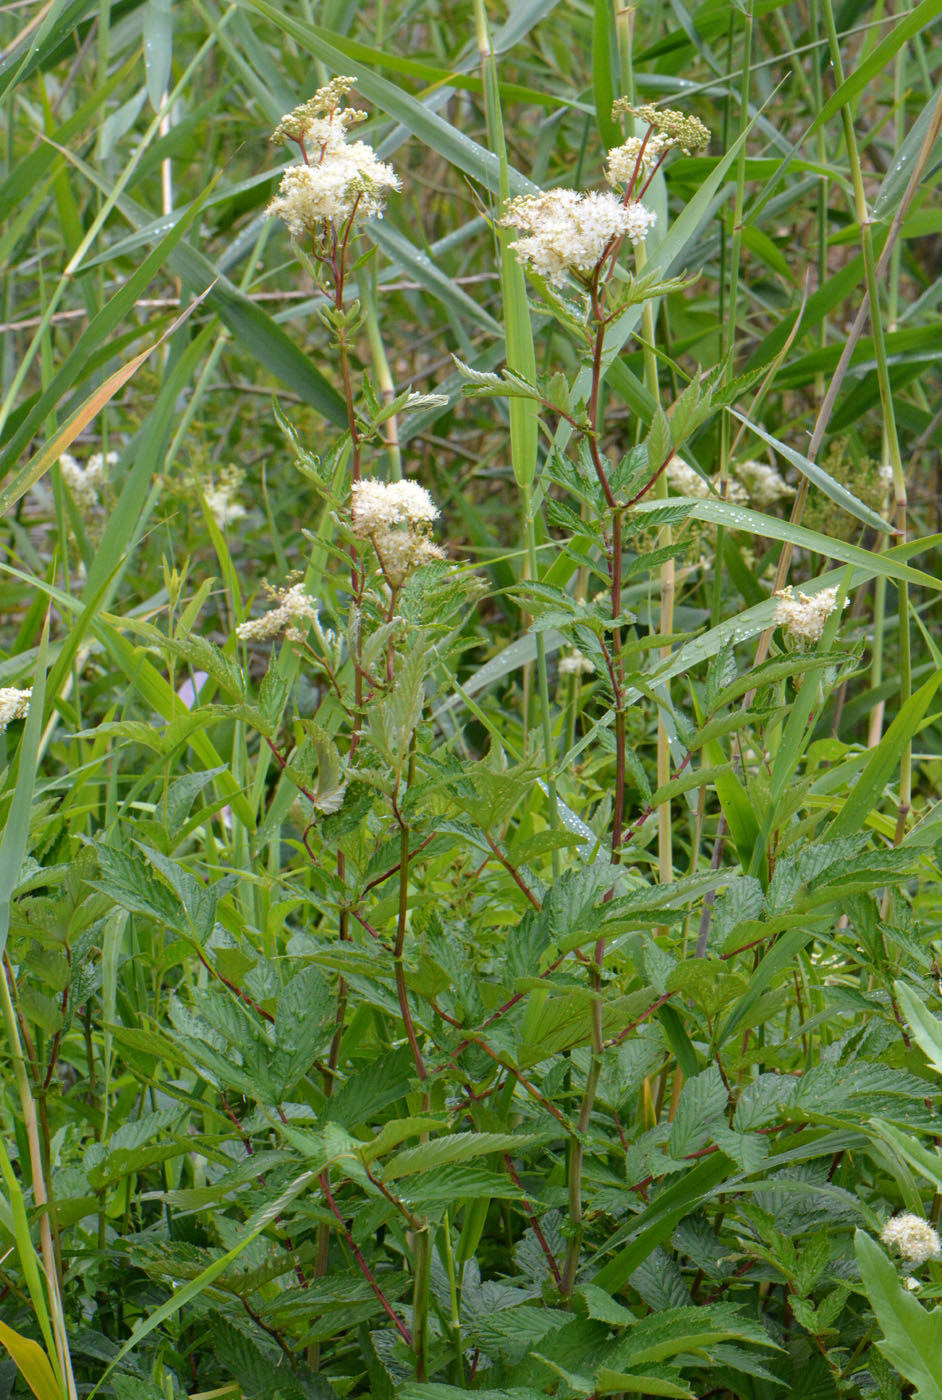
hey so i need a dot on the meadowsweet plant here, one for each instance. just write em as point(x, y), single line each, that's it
point(469, 867)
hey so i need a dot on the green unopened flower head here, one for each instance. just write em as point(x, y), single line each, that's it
point(687, 134)
point(308, 119)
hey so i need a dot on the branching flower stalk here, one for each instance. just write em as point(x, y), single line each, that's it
point(568, 233)
point(322, 201)
point(521, 356)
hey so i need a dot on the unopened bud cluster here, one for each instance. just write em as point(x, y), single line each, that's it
point(396, 518)
point(672, 129)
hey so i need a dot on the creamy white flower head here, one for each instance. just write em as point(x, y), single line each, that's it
point(685, 480)
point(623, 161)
point(223, 508)
point(803, 618)
point(575, 664)
point(295, 606)
point(347, 181)
point(914, 1237)
point(84, 483)
point(763, 482)
point(735, 494)
point(401, 552)
point(14, 704)
point(376, 505)
point(569, 232)
point(640, 219)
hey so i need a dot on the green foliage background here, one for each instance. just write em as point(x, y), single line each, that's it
point(225, 1168)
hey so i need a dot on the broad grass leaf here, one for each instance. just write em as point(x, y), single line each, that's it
point(901, 164)
point(32, 1363)
point(838, 493)
point(867, 792)
point(97, 333)
point(740, 518)
point(657, 1222)
point(926, 1028)
point(909, 25)
point(417, 264)
point(912, 1336)
point(158, 48)
point(910, 1149)
point(775, 961)
point(36, 47)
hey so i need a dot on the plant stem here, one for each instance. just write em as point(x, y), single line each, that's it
point(402, 990)
point(422, 1256)
point(454, 1318)
point(576, 1145)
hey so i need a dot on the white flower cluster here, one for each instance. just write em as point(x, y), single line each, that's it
point(14, 704)
point(570, 232)
point(294, 609)
point(339, 179)
point(765, 486)
point(627, 161)
point(84, 483)
point(396, 518)
point(685, 480)
point(914, 1237)
point(575, 664)
point(220, 498)
point(374, 505)
point(803, 618)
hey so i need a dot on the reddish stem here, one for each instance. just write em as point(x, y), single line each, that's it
point(535, 1224)
point(367, 1272)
